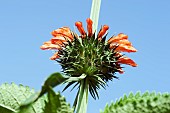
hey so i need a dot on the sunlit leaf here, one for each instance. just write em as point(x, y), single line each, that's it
point(12, 95)
point(52, 81)
point(56, 103)
point(140, 103)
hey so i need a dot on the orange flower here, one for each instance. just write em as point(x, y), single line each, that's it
point(120, 42)
point(63, 33)
point(117, 38)
point(79, 26)
point(89, 27)
point(61, 36)
point(49, 45)
point(60, 40)
point(89, 54)
point(125, 48)
point(123, 44)
point(55, 56)
point(126, 60)
point(120, 70)
point(102, 31)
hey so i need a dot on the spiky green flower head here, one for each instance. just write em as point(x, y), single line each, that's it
point(89, 54)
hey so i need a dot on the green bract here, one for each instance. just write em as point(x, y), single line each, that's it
point(91, 57)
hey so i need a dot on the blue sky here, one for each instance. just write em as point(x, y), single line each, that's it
point(25, 25)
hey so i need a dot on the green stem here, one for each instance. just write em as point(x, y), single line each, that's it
point(95, 10)
point(82, 97)
point(83, 91)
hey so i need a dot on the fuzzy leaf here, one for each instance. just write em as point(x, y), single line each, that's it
point(52, 81)
point(12, 95)
point(56, 103)
point(138, 103)
point(6, 109)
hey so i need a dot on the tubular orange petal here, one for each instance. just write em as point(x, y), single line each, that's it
point(126, 60)
point(58, 42)
point(113, 45)
point(124, 42)
point(49, 45)
point(55, 56)
point(63, 32)
point(59, 39)
point(120, 71)
point(125, 48)
point(89, 27)
point(120, 36)
point(79, 26)
point(102, 31)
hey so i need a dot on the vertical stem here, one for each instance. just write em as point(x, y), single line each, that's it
point(82, 97)
point(95, 10)
point(83, 91)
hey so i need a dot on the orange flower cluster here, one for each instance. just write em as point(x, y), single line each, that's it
point(62, 35)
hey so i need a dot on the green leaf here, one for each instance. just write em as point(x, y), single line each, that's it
point(56, 103)
point(6, 109)
point(138, 103)
point(52, 81)
point(12, 95)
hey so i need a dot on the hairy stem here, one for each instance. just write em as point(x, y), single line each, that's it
point(94, 15)
point(83, 91)
point(82, 97)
